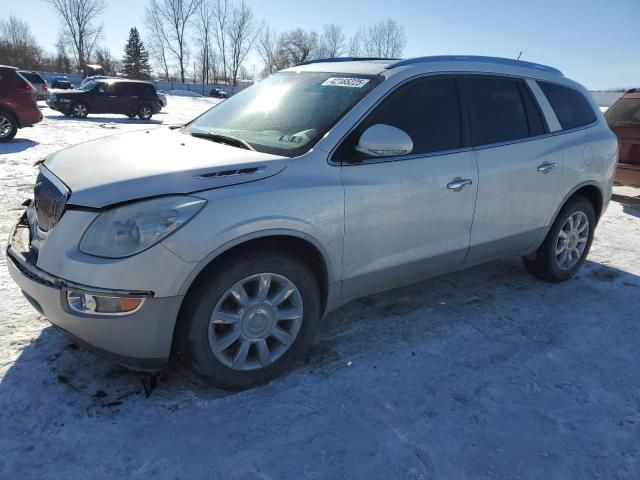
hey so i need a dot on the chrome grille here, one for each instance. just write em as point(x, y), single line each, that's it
point(49, 200)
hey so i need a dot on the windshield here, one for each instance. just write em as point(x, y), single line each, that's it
point(287, 113)
point(625, 111)
point(90, 85)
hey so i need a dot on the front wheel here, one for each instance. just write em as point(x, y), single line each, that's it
point(567, 244)
point(145, 112)
point(8, 126)
point(250, 318)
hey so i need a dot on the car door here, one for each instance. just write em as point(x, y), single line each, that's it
point(409, 216)
point(120, 97)
point(520, 166)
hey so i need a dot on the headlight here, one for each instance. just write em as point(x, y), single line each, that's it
point(130, 229)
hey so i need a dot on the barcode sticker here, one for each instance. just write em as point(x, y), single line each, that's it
point(345, 82)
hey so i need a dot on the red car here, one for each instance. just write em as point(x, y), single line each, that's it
point(624, 119)
point(18, 106)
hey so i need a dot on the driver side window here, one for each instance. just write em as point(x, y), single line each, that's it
point(428, 110)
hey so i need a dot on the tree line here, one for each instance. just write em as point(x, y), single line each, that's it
point(206, 41)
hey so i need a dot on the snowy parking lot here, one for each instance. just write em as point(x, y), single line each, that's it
point(486, 373)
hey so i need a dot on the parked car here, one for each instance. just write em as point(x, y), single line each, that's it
point(127, 97)
point(163, 99)
point(18, 105)
point(38, 83)
point(624, 119)
point(217, 93)
point(61, 82)
point(229, 238)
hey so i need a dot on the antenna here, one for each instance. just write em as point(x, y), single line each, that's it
point(519, 55)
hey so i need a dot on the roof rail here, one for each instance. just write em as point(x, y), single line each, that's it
point(342, 59)
point(475, 58)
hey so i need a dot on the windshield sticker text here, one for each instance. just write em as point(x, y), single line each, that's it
point(345, 82)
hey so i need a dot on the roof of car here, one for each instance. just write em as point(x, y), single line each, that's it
point(112, 79)
point(9, 67)
point(388, 67)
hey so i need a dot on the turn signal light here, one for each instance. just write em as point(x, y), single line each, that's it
point(90, 303)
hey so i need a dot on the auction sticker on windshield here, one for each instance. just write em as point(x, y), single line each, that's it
point(345, 82)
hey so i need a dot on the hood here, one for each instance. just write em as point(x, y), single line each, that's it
point(154, 162)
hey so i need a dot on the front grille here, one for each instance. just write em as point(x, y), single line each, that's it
point(49, 202)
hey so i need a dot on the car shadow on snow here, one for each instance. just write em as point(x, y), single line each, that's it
point(451, 314)
point(16, 145)
point(103, 119)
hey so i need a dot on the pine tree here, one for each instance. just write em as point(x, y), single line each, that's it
point(135, 63)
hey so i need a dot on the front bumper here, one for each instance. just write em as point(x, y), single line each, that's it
point(140, 341)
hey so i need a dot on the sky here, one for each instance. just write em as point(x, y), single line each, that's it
point(592, 41)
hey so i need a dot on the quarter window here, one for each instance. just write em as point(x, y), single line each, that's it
point(497, 110)
point(427, 110)
point(569, 105)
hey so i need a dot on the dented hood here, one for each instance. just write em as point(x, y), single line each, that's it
point(154, 162)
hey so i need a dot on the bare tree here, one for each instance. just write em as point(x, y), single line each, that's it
point(299, 45)
point(241, 35)
point(157, 40)
point(222, 15)
point(269, 47)
point(385, 39)
point(79, 29)
point(332, 42)
point(18, 45)
point(205, 24)
point(172, 18)
point(110, 64)
point(356, 48)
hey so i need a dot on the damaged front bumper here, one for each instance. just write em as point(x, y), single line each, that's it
point(140, 339)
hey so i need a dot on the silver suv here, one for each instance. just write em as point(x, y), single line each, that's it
point(226, 240)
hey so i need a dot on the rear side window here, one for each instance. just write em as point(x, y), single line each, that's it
point(497, 110)
point(32, 77)
point(569, 105)
point(625, 111)
point(428, 110)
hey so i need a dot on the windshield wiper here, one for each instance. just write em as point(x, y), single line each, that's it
point(226, 139)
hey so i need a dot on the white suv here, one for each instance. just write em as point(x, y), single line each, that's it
point(229, 238)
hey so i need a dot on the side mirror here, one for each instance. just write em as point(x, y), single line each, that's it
point(384, 141)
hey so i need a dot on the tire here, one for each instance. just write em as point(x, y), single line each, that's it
point(145, 112)
point(8, 126)
point(80, 110)
point(551, 266)
point(212, 294)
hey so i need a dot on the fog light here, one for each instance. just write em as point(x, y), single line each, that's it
point(101, 304)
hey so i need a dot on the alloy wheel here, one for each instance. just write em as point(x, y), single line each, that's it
point(5, 127)
point(572, 240)
point(80, 110)
point(145, 112)
point(255, 321)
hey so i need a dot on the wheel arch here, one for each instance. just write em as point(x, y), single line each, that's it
point(12, 112)
point(304, 246)
point(589, 190)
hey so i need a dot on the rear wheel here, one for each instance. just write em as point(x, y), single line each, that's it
point(8, 126)
point(80, 110)
point(145, 112)
point(567, 244)
point(250, 318)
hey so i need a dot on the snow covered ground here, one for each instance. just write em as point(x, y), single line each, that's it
point(482, 374)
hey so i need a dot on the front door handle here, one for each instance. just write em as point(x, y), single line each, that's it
point(546, 167)
point(458, 184)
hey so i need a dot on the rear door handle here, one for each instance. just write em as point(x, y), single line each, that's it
point(458, 184)
point(546, 167)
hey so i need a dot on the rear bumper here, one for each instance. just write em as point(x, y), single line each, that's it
point(628, 174)
point(140, 341)
point(30, 117)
